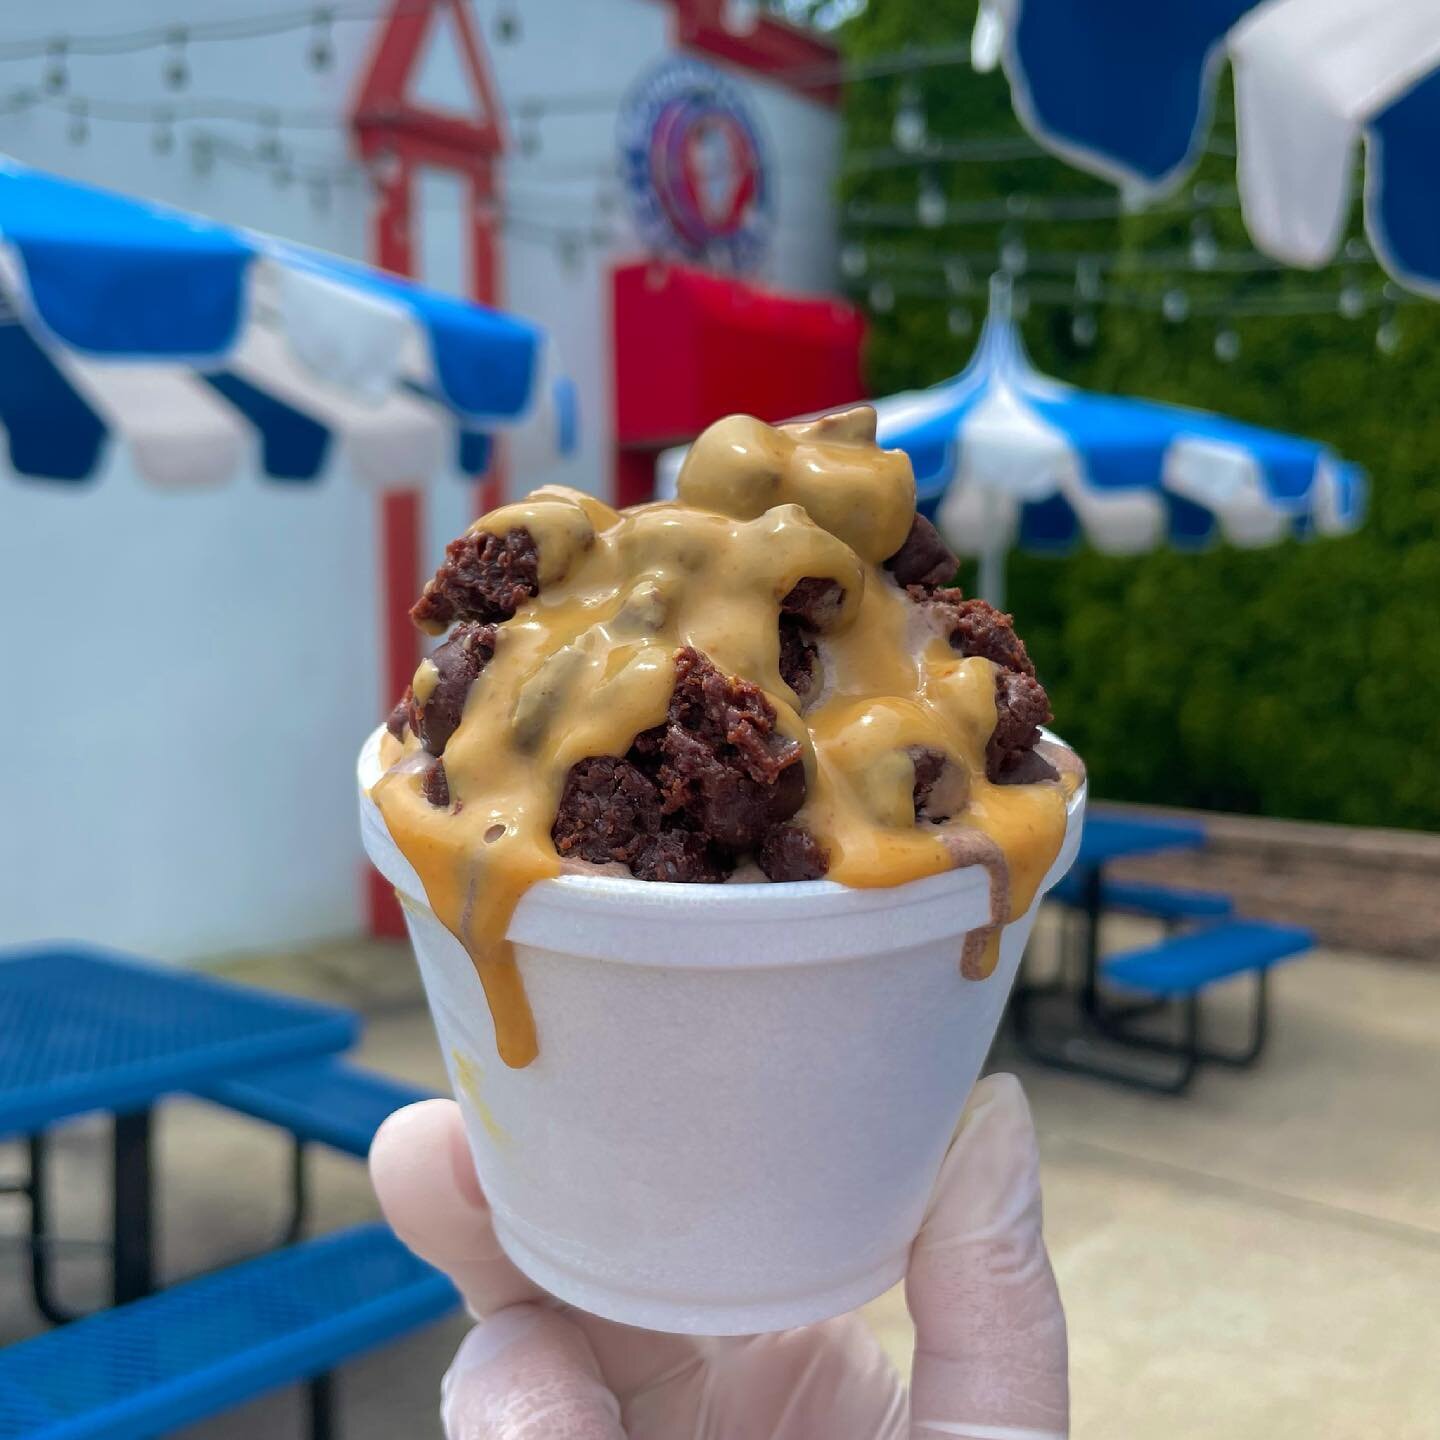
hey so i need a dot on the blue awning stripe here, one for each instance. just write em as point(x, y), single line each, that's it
point(53, 433)
point(294, 446)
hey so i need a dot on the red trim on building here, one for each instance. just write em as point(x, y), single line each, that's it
point(796, 58)
point(691, 346)
point(398, 136)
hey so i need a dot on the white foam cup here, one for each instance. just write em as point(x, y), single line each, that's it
point(743, 1094)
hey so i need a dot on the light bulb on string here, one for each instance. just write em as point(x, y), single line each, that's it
point(56, 79)
point(162, 138)
point(507, 23)
point(1227, 345)
point(176, 72)
point(1019, 302)
point(567, 251)
point(78, 130)
point(882, 297)
point(321, 52)
point(853, 260)
point(1387, 332)
point(1351, 301)
point(1203, 250)
point(930, 206)
point(1013, 254)
point(959, 321)
point(1356, 249)
point(1087, 278)
point(1175, 305)
point(202, 154)
point(1083, 328)
point(269, 148)
point(908, 130)
point(740, 17)
point(957, 276)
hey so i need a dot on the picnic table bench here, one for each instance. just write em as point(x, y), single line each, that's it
point(199, 1348)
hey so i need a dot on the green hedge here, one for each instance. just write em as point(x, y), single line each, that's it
point(1302, 680)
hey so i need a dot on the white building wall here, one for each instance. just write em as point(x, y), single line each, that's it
point(189, 676)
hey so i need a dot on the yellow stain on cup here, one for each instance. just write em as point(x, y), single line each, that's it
point(468, 1076)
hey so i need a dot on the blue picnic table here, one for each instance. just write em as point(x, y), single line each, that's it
point(85, 1031)
point(1107, 837)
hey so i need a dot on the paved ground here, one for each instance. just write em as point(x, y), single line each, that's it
point(1260, 1259)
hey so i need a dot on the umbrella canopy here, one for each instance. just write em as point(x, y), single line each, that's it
point(1005, 456)
point(198, 344)
point(1123, 88)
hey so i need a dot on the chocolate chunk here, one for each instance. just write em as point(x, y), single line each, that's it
point(722, 765)
point(815, 601)
point(974, 627)
point(812, 604)
point(924, 558)
point(608, 811)
point(681, 857)
point(941, 785)
point(797, 656)
point(790, 852)
point(732, 717)
point(484, 577)
point(928, 766)
point(1020, 707)
point(435, 785)
point(399, 717)
point(459, 660)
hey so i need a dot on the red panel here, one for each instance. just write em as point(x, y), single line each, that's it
point(691, 346)
point(797, 58)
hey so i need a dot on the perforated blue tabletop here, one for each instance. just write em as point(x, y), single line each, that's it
point(84, 1030)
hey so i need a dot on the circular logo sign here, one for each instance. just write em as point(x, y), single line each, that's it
point(694, 167)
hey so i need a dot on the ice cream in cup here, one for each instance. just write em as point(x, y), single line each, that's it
point(719, 825)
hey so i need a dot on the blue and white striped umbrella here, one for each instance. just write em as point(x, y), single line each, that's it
point(198, 345)
point(1124, 88)
point(1005, 457)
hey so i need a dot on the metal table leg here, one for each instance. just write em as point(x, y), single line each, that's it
point(1090, 944)
point(134, 1259)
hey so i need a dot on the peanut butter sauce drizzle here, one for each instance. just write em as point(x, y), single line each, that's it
point(589, 663)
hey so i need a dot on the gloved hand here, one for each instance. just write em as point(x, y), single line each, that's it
point(990, 1352)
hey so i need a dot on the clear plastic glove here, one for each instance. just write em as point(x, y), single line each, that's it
point(990, 1352)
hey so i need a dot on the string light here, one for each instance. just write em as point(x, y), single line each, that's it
point(268, 148)
point(321, 53)
point(930, 207)
point(1387, 332)
point(1175, 305)
point(1351, 302)
point(1083, 328)
point(882, 297)
point(162, 138)
point(176, 71)
point(959, 321)
point(202, 153)
point(56, 79)
point(957, 276)
point(853, 261)
point(507, 24)
point(78, 130)
point(1227, 345)
point(1013, 255)
point(740, 17)
point(1203, 250)
point(908, 130)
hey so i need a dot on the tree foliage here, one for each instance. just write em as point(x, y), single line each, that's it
point(1302, 680)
